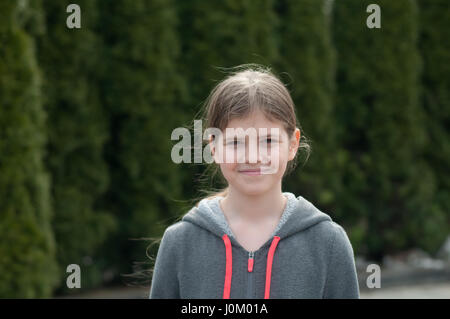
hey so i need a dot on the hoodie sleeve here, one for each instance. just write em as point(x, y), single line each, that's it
point(342, 281)
point(165, 280)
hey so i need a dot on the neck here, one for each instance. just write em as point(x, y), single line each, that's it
point(254, 208)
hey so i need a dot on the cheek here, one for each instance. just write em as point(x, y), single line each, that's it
point(228, 169)
point(284, 155)
point(286, 152)
point(279, 157)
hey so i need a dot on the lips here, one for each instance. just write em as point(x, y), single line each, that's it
point(253, 171)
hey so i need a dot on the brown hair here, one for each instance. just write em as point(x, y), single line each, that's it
point(248, 88)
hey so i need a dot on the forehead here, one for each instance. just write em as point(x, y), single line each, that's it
point(255, 120)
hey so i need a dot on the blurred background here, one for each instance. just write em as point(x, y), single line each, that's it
point(86, 116)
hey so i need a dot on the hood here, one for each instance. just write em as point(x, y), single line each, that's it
point(298, 215)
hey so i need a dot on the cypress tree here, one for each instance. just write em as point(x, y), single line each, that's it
point(141, 89)
point(222, 35)
point(435, 50)
point(78, 130)
point(27, 248)
point(386, 184)
point(307, 57)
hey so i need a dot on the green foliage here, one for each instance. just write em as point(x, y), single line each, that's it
point(435, 52)
point(308, 58)
point(141, 96)
point(27, 247)
point(222, 35)
point(77, 130)
point(383, 128)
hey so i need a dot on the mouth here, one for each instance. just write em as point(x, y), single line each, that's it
point(252, 172)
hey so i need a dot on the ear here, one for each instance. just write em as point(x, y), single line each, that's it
point(211, 145)
point(294, 143)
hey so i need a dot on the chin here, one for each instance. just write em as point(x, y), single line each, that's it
point(253, 190)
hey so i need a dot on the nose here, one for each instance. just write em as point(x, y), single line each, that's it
point(255, 153)
point(251, 152)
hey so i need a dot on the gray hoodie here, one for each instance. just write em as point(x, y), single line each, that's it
point(307, 256)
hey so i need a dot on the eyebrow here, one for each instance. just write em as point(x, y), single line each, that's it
point(232, 138)
point(269, 135)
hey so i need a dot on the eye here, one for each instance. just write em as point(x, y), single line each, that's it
point(234, 143)
point(269, 140)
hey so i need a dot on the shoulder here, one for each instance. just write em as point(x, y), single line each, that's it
point(329, 236)
point(179, 230)
point(338, 243)
point(173, 239)
point(336, 230)
point(336, 233)
point(181, 233)
point(326, 227)
point(329, 241)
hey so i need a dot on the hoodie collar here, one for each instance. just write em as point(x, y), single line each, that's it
point(298, 215)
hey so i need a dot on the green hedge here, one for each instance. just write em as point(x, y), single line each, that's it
point(435, 51)
point(141, 92)
point(78, 128)
point(308, 59)
point(27, 247)
point(388, 184)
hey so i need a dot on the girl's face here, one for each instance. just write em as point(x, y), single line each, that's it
point(254, 164)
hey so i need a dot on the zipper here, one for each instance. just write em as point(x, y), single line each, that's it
point(251, 261)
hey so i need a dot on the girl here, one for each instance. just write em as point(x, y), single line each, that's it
point(253, 240)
